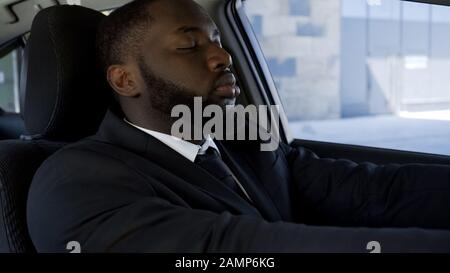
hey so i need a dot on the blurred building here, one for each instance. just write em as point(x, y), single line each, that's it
point(345, 58)
point(9, 83)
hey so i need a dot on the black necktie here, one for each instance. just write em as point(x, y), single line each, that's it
point(213, 163)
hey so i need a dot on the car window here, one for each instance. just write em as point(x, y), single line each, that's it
point(363, 72)
point(9, 82)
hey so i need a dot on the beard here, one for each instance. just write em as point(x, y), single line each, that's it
point(164, 94)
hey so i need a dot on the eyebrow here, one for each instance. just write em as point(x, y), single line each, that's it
point(186, 29)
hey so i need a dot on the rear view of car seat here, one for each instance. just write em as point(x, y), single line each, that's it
point(66, 98)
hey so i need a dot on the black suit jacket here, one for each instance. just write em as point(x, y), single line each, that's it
point(124, 190)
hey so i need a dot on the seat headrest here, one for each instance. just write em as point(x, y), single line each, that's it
point(66, 95)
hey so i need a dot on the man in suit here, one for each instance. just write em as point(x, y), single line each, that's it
point(134, 188)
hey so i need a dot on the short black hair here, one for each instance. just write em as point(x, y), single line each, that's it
point(120, 34)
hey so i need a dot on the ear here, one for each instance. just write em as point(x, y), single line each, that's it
point(123, 80)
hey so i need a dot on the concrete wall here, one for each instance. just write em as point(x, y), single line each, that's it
point(344, 58)
point(301, 42)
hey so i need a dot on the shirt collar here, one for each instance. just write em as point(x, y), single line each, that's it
point(187, 149)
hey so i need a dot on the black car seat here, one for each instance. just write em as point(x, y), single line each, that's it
point(11, 125)
point(66, 98)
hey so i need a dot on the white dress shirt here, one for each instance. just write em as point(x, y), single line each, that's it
point(185, 148)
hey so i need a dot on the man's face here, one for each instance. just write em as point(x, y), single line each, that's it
point(182, 57)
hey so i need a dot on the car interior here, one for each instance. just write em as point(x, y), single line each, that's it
point(61, 103)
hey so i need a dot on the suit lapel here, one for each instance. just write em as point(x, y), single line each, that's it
point(239, 163)
point(174, 162)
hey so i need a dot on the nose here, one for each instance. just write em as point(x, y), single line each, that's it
point(218, 58)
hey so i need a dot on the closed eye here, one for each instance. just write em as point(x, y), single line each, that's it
point(187, 48)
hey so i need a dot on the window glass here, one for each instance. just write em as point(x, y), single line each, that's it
point(9, 82)
point(365, 72)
